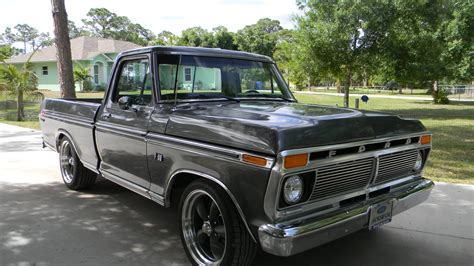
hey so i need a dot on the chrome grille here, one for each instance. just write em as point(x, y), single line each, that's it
point(395, 165)
point(342, 178)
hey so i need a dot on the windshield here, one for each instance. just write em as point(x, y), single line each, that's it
point(195, 77)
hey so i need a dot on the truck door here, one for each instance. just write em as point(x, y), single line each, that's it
point(122, 124)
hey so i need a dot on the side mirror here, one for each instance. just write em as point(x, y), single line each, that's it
point(125, 102)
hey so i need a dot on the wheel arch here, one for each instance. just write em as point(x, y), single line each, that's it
point(176, 179)
point(60, 134)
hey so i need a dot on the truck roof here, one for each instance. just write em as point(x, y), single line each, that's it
point(199, 51)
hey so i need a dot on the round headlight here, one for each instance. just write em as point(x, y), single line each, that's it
point(293, 189)
point(419, 162)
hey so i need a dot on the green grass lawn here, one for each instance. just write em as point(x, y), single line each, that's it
point(405, 92)
point(452, 157)
point(371, 91)
point(8, 115)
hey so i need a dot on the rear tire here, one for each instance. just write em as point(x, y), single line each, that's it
point(212, 231)
point(75, 175)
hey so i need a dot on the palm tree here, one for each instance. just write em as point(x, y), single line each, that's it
point(19, 82)
point(81, 74)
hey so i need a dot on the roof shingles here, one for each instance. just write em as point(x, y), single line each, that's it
point(82, 48)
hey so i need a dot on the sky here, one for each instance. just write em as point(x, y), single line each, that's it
point(156, 15)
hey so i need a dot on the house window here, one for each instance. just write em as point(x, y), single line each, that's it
point(96, 74)
point(45, 70)
point(187, 74)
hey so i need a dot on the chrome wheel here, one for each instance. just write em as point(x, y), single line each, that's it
point(203, 228)
point(67, 162)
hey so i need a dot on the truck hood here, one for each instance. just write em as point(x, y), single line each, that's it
point(271, 127)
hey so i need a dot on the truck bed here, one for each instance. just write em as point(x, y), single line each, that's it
point(72, 118)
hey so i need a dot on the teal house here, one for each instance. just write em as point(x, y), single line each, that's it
point(94, 53)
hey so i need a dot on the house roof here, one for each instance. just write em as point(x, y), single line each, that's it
point(82, 48)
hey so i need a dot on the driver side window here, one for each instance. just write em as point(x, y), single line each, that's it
point(135, 82)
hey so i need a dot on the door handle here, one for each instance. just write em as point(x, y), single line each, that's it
point(106, 115)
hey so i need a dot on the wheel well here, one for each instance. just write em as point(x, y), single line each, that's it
point(179, 183)
point(59, 139)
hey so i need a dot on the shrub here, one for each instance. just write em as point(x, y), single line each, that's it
point(99, 88)
point(87, 85)
point(440, 97)
point(36, 96)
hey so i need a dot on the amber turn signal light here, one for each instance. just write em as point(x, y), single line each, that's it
point(254, 160)
point(297, 160)
point(426, 139)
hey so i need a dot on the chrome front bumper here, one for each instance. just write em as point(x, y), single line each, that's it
point(286, 239)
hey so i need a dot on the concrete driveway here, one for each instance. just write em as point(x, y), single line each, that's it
point(43, 223)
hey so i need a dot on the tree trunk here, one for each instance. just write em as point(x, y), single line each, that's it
point(347, 86)
point(63, 49)
point(19, 106)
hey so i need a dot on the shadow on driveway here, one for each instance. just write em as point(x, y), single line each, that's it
point(109, 225)
point(105, 225)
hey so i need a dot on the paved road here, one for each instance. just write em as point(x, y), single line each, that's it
point(383, 96)
point(43, 223)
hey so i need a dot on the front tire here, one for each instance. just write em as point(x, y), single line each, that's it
point(212, 232)
point(75, 175)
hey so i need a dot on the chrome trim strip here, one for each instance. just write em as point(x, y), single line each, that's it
point(90, 167)
point(156, 198)
point(127, 184)
point(376, 172)
point(351, 144)
point(128, 129)
point(169, 185)
point(161, 138)
point(50, 146)
point(272, 193)
point(64, 132)
point(67, 115)
point(393, 182)
point(210, 53)
point(67, 101)
point(211, 150)
point(71, 120)
point(121, 131)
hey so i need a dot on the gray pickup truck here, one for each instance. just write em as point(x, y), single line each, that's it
point(218, 134)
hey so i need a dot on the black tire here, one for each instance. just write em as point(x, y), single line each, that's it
point(75, 176)
point(239, 247)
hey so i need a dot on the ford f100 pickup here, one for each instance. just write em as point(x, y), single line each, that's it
point(219, 134)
